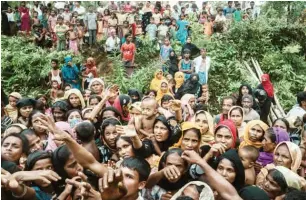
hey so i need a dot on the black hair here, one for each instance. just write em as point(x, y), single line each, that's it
point(24, 140)
point(110, 108)
point(295, 195)
point(107, 122)
point(127, 35)
point(229, 97)
point(149, 91)
point(73, 110)
point(59, 17)
point(26, 132)
point(279, 178)
point(184, 198)
point(164, 157)
point(283, 120)
point(197, 131)
point(166, 97)
point(301, 96)
point(54, 60)
point(36, 156)
point(138, 164)
point(237, 108)
point(85, 131)
point(67, 84)
point(94, 97)
point(200, 106)
point(252, 152)
point(30, 124)
point(272, 135)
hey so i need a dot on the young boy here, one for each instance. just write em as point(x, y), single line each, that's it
point(165, 53)
point(90, 21)
point(55, 73)
point(128, 51)
point(156, 16)
point(125, 30)
point(248, 155)
point(151, 29)
point(54, 90)
point(60, 30)
point(162, 30)
point(238, 14)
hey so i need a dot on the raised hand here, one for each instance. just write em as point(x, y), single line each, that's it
point(172, 173)
point(46, 176)
point(191, 157)
point(175, 105)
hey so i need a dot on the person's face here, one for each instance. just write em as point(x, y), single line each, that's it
point(72, 167)
point(202, 122)
point(58, 114)
point(52, 13)
point(73, 116)
point(224, 136)
point(191, 191)
point(148, 108)
point(108, 114)
point(93, 102)
point(12, 101)
point(245, 159)
point(173, 22)
point(129, 38)
point(164, 87)
point(244, 90)
point(34, 143)
point(267, 145)
point(271, 187)
point(246, 103)
point(189, 40)
point(167, 42)
point(190, 141)
point(131, 181)
point(230, 4)
point(203, 52)
point(66, 9)
point(186, 55)
point(43, 100)
point(252, 4)
point(280, 124)
point(282, 157)
point(25, 111)
point(43, 164)
point(134, 97)
point(236, 116)
point(134, 112)
point(97, 87)
point(110, 135)
point(152, 95)
point(256, 133)
point(176, 160)
point(36, 123)
point(86, 95)
point(74, 100)
point(226, 169)
point(54, 84)
point(166, 105)
point(152, 21)
point(191, 102)
point(90, 9)
point(226, 105)
point(11, 149)
point(159, 75)
point(161, 132)
point(125, 149)
point(77, 4)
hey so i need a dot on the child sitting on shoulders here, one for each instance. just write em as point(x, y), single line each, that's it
point(248, 156)
point(54, 89)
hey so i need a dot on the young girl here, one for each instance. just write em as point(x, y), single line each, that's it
point(80, 30)
point(112, 23)
point(100, 27)
point(105, 22)
point(185, 65)
point(74, 19)
point(73, 42)
point(203, 17)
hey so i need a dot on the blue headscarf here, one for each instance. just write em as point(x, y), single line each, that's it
point(68, 59)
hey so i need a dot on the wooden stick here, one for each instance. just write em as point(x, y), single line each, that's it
point(251, 71)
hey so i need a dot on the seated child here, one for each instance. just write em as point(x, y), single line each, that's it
point(11, 108)
point(248, 155)
point(205, 94)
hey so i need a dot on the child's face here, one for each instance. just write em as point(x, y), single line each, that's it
point(173, 22)
point(155, 10)
point(60, 21)
point(148, 108)
point(54, 85)
point(66, 9)
point(191, 191)
point(35, 14)
point(166, 105)
point(70, 28)
point(152, 95)
point(129, 38)
point(52, 13)
point(204, 88)
point(151, 21)
point(12, 101)
point(187, 55)
point(53, 64)
point(245, 159)
point(167, 42)
point(131, 181)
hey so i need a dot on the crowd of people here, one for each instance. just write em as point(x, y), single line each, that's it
point(87, 140)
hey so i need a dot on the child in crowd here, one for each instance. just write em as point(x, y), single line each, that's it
point(99, 27)
point(74, 19)
point(205, 94)
point(156, 17)
point(73, 39)
point(165, 53)
point(11, 108)
point(185, 65)
point(208, 27)
point(60, 29)
point(55, 73)
point(54, 89)
point(163, 31)
point(248, 155)
point(125, 30)
point(52, 21)
point(80, 30)
point(151, 29)
point(128, 51)
point(35, 20)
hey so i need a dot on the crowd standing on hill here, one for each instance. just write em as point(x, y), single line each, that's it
point(87, 140)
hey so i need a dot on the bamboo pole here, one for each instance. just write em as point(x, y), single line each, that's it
point(251, 71)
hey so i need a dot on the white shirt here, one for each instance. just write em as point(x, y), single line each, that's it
point(112, 44)
point(198, 62)
point(297, 110)
point(10, 17)
point(60, 5)
point(81, 11)
point(101, 10)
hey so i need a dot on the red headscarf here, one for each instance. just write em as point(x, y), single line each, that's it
point(267, 85)
point(229, 124)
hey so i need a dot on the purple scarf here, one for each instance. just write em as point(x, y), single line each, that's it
point(265, 158)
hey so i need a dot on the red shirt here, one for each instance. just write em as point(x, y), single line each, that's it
point(128, 51)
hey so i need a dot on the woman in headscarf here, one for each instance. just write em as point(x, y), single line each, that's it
point(231, 168)
point(191, 137)
point(163, 90)
point(24, 107)
point(97, 85)
point(179, 82)
point(286, 154)
point(90, 72)
point(254, 134)
point(250, 114)
point(188, 104)
point(59, 110)
point(173, 63)
point(195, 190)
point(236, 114)
point(267, 85)
point(206, 123)
point(156, 81)
point(191, 86)
point(272, 138)
point(194, 50)
point(70, 73)
point(243, 89)
point(122, 103)
point(135, 95)
point(75, 99)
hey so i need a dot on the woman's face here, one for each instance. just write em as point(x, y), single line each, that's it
point(43, 164)
point(271, 187)
point(110, 135)
point(36, 123)
point(72, 167)
point(161, 132)
point(256, 133)
point(267, 144)
point(166, 105)
point(176, 160)
point(93, 102)
point(152, 95)
point(224, 136)
point(164, 87)
point(25, 111)
point(189, 40)
point(282, 157)
point(236, 116)
point(191, 102)
point(11, 149)
point(97, 87)
point(202, 122)
point(58, 114)
point(74, 118)
point(244, 90)
point(108, 114)
point(125, 149)
point(280, 124)
point(43, 100)
point(74, 100)
point(226, 169)
point(190, 141)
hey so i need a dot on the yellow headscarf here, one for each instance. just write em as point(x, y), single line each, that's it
point(160, 93)
point(77, 93)
point(155, 83)
point(246, 134)
point(179, 79)
point(207, 137)
point(186, 126)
